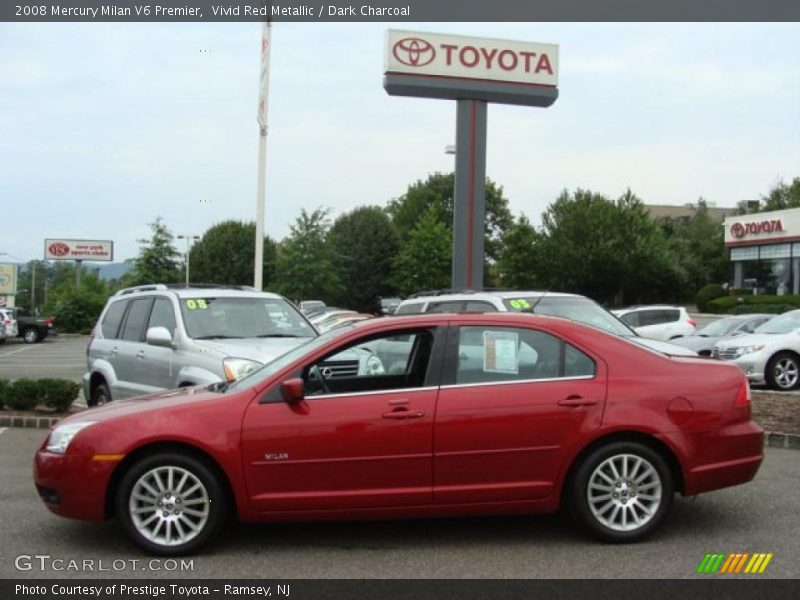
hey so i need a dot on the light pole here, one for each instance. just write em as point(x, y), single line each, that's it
point(188, 239)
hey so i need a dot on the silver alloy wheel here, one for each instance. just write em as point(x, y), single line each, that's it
point(624, 492)
point(31, 336)
point(169, 505)
point(786, 373)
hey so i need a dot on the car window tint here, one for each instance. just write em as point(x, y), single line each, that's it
point(412, 308)
point(133, 330)
point(487, 354)
point(446, 306)
point(631, 319)
point(669, 316)
point(163, 315)
point(391, 361)
point(112, 319)
point(479, 306)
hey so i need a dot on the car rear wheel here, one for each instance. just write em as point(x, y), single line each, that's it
point(100, 395)
point(30, 335)
point(171, 504)
point(621, 492)
point(783, 372)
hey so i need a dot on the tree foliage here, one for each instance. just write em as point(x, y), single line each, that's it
point(305, 265)
point(517, 262)
point(226, 255)
point(363, 245)
point(158, 260)
point(424, 261)
point(782, 195)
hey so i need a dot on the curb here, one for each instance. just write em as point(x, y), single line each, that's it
point(790, 441)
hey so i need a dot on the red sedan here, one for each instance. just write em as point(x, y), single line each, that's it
point(414, 416)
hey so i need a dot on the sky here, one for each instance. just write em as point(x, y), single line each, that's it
point(104, 126)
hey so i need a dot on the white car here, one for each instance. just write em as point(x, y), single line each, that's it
point(771, 354)
point(555, 304)
point(659, 322)
point(8, 322)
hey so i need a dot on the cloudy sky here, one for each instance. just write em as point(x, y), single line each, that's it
point(105, 126)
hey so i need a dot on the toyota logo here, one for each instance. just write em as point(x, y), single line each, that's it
point(738, 230)
point(414, 52)
point(58, 249)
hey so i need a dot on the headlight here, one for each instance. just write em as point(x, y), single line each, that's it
point(742, 350)
point(236, 368)
point(62, 435)
point(375, 366)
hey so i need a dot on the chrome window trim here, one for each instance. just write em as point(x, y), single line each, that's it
point(512, 381)
point(375, 392)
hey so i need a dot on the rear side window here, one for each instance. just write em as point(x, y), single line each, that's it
point(446, 306)
point(479, 306)
point(133, 330)
point(657, 317)
point(631, 319)
point(112, 319)
point(413, 308)
point(163, 315)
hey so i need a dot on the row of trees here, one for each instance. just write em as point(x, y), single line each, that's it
point(606, 248)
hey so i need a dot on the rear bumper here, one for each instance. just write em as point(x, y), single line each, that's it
point(73, 486)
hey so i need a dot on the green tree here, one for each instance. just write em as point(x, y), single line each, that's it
point(436, 193)
point(77, 309)
point(158, 260)
point(517, 261)
point(305, 265)
point(779, 197)
point(424, 261)
point(363, 244)
point(226, 255)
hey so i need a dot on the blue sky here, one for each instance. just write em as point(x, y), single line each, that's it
point(105, 126)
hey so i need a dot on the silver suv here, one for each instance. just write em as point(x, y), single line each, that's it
point(158, 337)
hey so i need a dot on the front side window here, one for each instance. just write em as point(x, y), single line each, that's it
point(133, 330)
point(236, 317)
point(163, 315)
point(388, 362)
point(489, 354)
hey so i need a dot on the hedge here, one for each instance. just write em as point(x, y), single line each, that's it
point(754, 304)
point(27, 394)
point(708, 293)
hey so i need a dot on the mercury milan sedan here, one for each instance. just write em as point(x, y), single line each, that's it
point(482, 414)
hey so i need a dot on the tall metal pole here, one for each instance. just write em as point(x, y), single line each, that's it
point(266, 34)
point(33, 288)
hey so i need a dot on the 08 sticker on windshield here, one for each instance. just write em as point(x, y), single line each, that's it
point(196, 304)
point(500, 352)
point(520, 304)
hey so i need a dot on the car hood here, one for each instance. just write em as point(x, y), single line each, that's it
point(758, 338)
point(697, 342)
point(663, 347)
point(263, 350)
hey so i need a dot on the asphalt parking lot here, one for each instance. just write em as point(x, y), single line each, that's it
point(59, 356)
point(760, 516)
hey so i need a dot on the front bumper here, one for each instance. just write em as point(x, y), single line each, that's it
point(752, 365)
point(73, 485)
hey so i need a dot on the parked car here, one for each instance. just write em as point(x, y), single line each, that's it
point(554, 413)
point(156, 337)
point(323, 320)
point(8, 322)
point(309, 307)
point(771, 354)
point(702, 341)
point(32, 329)
point(389, 304)
point(568, 306)
point(3, 335)
point(658, 322)
point(341, 320)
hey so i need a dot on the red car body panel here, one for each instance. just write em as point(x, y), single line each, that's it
point(467, 449)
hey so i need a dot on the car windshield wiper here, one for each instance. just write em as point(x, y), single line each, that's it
point(278, 335)
point(219, 337)
point(219, 386)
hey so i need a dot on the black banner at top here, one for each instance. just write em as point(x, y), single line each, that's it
point(397, 10)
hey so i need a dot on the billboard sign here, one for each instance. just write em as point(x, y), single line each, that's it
point(94, 250)
point(8, 279)
point(763, 228)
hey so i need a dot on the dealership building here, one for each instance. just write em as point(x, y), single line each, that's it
point(765, 250)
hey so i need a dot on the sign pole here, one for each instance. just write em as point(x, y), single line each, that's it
point(266, 34)
point(78, 266)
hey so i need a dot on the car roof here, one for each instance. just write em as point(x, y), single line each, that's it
point(488, 295)
point(434, 319)
point(650, 307)
point(197, 291)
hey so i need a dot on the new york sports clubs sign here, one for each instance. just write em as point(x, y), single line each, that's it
point(459, 57)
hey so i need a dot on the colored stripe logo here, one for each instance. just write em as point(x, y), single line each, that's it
point(735, 563)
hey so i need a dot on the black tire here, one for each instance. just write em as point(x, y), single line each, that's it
point(2, 341)
point(217, 505)
point(581, 508)
point(783, 372)
point(31, 335)
point(100, 395)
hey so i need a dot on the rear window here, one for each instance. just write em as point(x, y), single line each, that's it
point(112, 319)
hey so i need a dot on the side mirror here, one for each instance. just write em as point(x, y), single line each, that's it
point(293, 390)
point(159, 336)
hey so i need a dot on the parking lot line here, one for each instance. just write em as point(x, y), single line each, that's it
point(4, 354)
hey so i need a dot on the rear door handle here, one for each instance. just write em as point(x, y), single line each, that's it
point(115, 349)
point(576, 401)
point(140, 354)
point(401, 414)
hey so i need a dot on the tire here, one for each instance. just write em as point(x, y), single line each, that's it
point(171, 528)
point(31, 335)
point(100, 395)
point(640, 471)
point(783, 371)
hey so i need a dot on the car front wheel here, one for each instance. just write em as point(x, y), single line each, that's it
point(783, 372)
point(171, 504)
point(30, 335)
point(621, 492)
point(100, 395)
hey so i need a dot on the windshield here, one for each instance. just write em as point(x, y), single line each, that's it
point(785, 323)
point(719, 328)
point(582, 310)
point(283, 361)
point(237, 317)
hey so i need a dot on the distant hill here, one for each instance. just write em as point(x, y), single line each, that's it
point(109, 270)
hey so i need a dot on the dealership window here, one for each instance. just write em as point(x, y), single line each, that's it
point(766, 269)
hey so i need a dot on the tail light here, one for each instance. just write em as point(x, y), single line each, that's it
point(692, 322)
point(743, 396)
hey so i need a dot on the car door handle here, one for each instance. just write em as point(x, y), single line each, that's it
point(114, 350)
point(401, 414)
point(140, 354)
point(576, 401)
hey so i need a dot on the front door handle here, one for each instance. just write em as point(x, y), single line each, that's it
point(576, 401)
point(401, 414)
point(140, 354)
